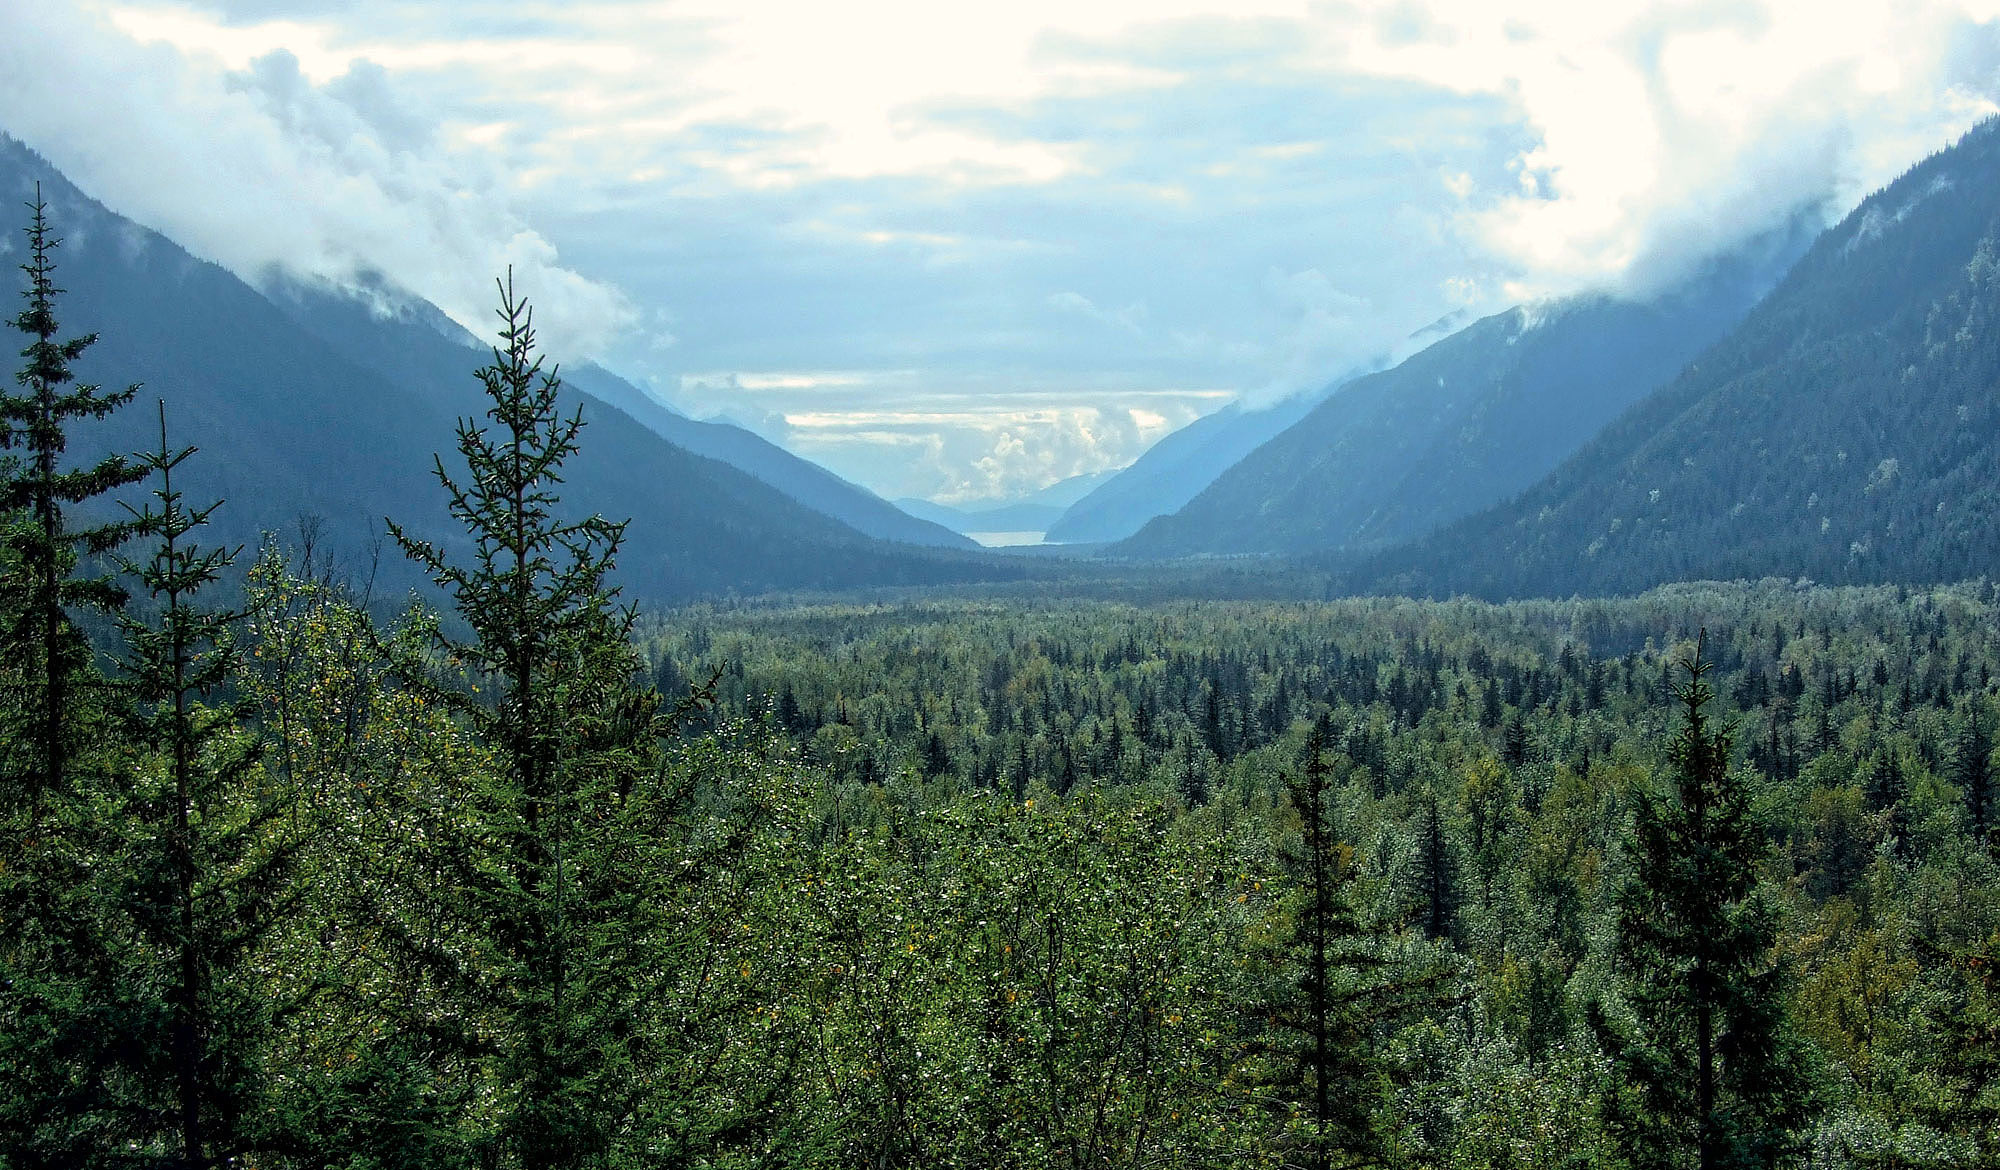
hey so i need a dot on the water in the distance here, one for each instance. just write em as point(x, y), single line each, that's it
point(1006, 539)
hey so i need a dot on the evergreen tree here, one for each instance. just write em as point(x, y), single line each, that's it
point(1323, 1052)
point(558, 858)
point(64, 1009)
point(1972, 770)
point(1192, 781)
point(1492, 810)
point(42, 549)
point(937, 759)
point(1965, 1050)
point(1886, 786)
point(209, 867)
point(1708, 1074)
point(1514, 741)
point(1438, 894)
point(1338, 986)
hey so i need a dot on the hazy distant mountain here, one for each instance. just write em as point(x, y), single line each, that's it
point(1847, 431)
point(1174, 469)
point(291, 424)
point(1033, 512)
point(804, 481)
point(393, 329)
point(1465, 423)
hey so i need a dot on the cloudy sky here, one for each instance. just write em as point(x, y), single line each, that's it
point(963, 250)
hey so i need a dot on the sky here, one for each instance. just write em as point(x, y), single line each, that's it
point(965, 250)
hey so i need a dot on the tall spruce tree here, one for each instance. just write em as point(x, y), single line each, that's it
point(42, 547)
point(64, 1013)
point(1972, 769)
point(1339, 983)
point(1436, 871)
point(208, 853)
point(1707, 1070)
point(557, 858)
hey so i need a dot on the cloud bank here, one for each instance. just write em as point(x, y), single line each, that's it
point(258, 167)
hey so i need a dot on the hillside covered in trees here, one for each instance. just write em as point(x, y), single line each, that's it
point(1470, 421)
point(1845, 432)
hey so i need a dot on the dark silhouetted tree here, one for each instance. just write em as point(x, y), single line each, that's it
point(558, 873)
point(1338, 984)
point(209, 856)
point(64, 1005)
point(1708, 1072)
point(1972, 770)
point(1436, 866)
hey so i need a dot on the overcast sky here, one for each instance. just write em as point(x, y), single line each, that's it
point(962, 250)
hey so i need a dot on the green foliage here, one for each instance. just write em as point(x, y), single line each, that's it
point(1340, 985)
point(555, 864)
point(41, 546)
point(1707, 1073)
point(64, 998)
point(206, 853)
point(969, 883)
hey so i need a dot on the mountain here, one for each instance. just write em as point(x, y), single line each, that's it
point(1847, 431)
point(1033, 512)
point(1468, 421)
point(385, 325)
point(802, 480)
point(339, 422)
point(1021, 517)
point(1174, 469)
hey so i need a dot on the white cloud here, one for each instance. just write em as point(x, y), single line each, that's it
point(1665, 132)
point(956, 447)
point(259, 167)
point(1130, 319)
point(1051, 208)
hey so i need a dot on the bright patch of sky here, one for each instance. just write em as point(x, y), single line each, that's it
point(962, 251)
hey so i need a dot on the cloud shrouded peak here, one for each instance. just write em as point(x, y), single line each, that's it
point(1032, 236)
point(258, 167)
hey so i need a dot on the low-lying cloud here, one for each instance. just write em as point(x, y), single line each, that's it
point(344, 182)
point(1667, 133)
point(958, 447)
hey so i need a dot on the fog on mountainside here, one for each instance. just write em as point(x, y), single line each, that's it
point(1847, 431)
point(320, 406)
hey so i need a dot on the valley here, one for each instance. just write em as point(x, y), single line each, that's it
point(1569, 742)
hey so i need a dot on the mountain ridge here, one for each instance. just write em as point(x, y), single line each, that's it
point(1172, 471)
point(1467, 421)
point(1847, 431)
point(291, 428)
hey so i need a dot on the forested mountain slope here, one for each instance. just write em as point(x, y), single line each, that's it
point(1847, 431)
point(291, 426)
point(1468, 421)
point(411, 340)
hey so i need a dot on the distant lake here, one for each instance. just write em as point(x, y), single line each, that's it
point(1004, 539)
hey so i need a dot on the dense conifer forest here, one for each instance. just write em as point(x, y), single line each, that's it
point(520, 876)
